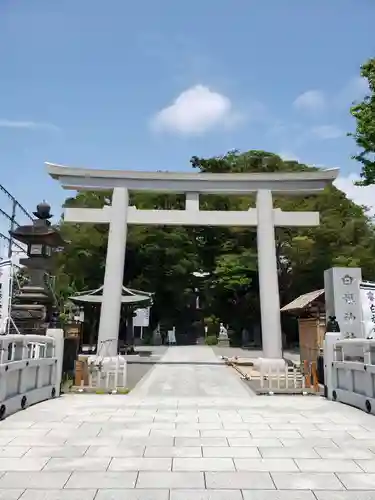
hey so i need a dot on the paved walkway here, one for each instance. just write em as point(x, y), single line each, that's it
point(188, 432)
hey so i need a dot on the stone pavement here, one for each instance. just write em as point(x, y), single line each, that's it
point(188, 432)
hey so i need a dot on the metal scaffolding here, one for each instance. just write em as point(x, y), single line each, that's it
point(11, 217)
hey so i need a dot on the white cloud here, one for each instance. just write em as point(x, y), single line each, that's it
point(195, 111)
point(26, 125)
point(354, 91)
point(315, 101)
point(312, 101)
point(359, 87)
point(289, 156)
point(327, 132)
point(358, 194)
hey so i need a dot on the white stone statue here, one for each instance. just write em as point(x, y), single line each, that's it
point(223, 332)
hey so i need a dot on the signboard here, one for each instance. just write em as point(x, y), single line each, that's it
point(367, 292)
point(142, 317)
point(72, 331)
point(343, 300)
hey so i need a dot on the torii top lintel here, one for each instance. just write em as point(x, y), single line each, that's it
point(191, 182)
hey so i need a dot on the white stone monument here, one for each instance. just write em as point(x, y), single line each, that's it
point(343, 299)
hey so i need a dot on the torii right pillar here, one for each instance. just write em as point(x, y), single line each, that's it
point(268, 277)
point(267, 219)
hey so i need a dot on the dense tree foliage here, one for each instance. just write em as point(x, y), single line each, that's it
point(364, 113)
point(162, 259)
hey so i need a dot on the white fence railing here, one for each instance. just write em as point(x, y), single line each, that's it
point(269, 378)
point(349, 370)
point(109, 374)
point(30, 369)
point(275, 378)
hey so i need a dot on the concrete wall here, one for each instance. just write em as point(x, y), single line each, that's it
point(30, 370)
point(349, 367)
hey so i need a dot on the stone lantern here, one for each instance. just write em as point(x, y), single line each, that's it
point(33, 308)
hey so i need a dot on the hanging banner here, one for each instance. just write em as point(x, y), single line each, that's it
point(367, 292)
point(5, 279)
point(142, 317)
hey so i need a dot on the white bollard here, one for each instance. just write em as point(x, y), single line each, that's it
point(124, 374)
point(116, 372)
point(329, 357)
point(58, 335)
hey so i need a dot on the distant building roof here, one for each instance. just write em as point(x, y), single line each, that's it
point(303, 301)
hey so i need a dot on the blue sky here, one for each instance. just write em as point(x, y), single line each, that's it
point(147, 84)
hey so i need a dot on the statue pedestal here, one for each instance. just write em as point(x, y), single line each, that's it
point(223, 341)
point(156, 338)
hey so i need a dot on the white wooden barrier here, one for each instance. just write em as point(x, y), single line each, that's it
point(107, 373)
point(349, 370)
point(30, 370)
point(275, 378)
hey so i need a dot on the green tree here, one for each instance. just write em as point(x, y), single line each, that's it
point(364, 113)
point(345, 237)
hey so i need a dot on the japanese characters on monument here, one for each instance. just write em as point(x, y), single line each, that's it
point(343, 299)
point(368, 309)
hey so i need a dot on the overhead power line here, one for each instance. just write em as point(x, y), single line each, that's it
point(15, 201)
point(11, 242)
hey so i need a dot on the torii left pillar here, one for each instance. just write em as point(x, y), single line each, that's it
point(114, 274)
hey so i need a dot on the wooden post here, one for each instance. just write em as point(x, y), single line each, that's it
point(306, 370)
point(81, 373)
point(78, 373)
point(314, 376)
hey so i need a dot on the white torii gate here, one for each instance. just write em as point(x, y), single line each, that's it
point(119, 215)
